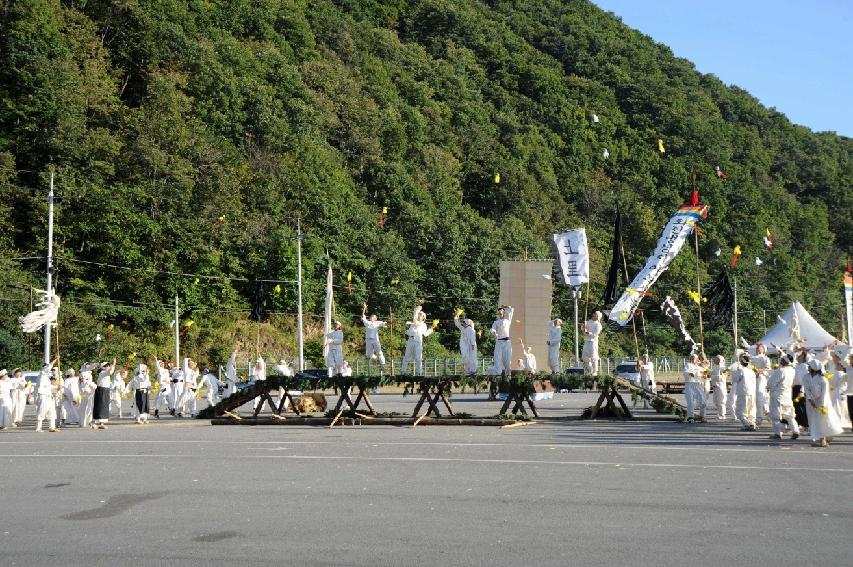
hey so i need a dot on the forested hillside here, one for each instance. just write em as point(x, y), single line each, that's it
point(186, 137)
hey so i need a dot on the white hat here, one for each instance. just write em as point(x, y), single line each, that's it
point(3, 372)
point(69, 373)
point(816, 365)
point(468, 322)
point(86, 374)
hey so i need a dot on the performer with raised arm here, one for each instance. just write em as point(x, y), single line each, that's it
point(372, 346)
point(646, 368)
point(591, 330)
point(140, 385)
point(118, 388)
point(231, 374)
point(259, 374)
point(555, 338)
point(528, 359)
point(416, 332)
point(335, 356)
point(467, 342)
point(101, 401)
point(503, 346)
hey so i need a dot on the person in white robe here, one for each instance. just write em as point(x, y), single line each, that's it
point(48, 392)
point(823, 419)
point(164, 385)
point(141, 386)
point(528, 359)
point(259, 374)
point(780, 385)
point(761, 364)
point(188, 402)
point(69, 410)
point(87, 398)
point(503, 346)
point(694, 388)
point(118, 388)
point(717, 380)
point(335, 354)
point(591, 331)
point(21, 390)
point(467, 342)
point(231, 374)
point(743, 381)
point(6, 407)
point(372, 345)
point(416, 332)
point(555, 338)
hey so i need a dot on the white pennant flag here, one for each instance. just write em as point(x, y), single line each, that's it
point(573, 254)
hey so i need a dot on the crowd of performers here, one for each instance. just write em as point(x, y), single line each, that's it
point(79, 398)
point(796, 390)
point(417, 330)
point(793, 391)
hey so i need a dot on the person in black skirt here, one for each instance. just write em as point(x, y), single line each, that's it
point(101, 408)
point(801, 370)
point(141, 385)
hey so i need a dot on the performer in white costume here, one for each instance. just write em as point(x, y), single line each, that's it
point(591, 331)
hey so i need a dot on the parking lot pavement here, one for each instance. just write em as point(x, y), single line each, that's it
point(559, 492)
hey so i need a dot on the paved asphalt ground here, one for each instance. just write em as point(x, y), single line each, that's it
point(646, 492)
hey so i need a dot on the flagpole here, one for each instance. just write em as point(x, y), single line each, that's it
point(575, 293)
point(49, 264)
point(300, 339)
point(699, 291)
point(177, 336)
point(628, 282)
point(734, 318)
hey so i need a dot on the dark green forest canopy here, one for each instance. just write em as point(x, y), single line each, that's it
point(187, 135)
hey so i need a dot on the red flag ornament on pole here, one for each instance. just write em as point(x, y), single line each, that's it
point(736, 256)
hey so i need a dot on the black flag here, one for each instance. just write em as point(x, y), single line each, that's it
point(616, 261)
point(721, 300)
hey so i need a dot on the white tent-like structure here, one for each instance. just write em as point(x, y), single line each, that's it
point(796, 323)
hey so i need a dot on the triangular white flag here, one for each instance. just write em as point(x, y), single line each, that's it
point(758, 261)
point(606, 153)
point(595, 119)
point(718, 252)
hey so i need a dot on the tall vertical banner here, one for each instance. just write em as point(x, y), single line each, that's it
point(848, 301)
point(573, 254)
point(670, 243)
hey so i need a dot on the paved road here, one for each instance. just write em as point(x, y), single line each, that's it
point(554, 493)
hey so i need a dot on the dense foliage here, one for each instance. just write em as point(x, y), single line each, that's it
point(186, 136)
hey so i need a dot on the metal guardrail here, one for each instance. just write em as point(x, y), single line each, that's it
point(453, 365)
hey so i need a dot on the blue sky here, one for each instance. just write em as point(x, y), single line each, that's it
point(794, 55)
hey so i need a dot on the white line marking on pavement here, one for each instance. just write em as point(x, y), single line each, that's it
point(802, 448)
point(782, 468)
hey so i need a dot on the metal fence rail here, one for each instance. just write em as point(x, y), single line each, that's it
point(453, 365)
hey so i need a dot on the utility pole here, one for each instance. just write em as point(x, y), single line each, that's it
point(300, 339)
point(575, 293)
point(734, 318)
point(49, 264)
point(177, 336)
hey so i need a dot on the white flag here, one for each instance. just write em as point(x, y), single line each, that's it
point(670, 243)
point(573, 256)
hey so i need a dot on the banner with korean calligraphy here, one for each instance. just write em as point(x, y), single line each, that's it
point(573, 256)
point(670, 243)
